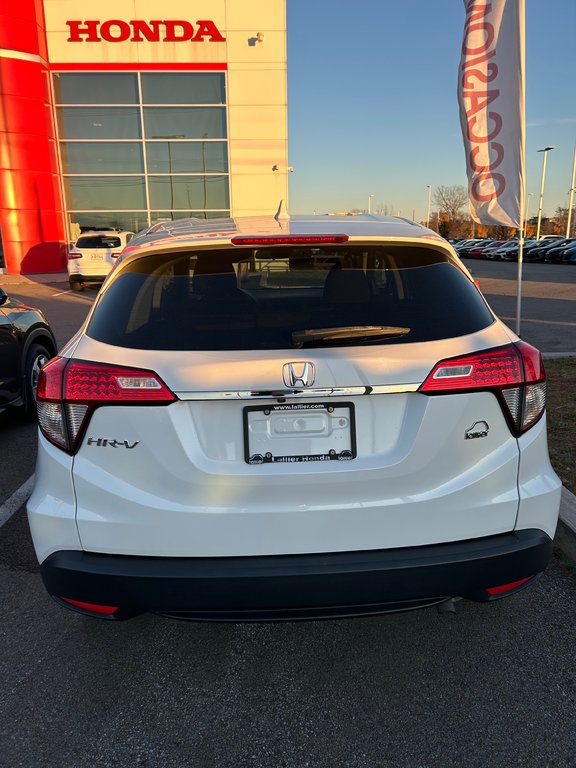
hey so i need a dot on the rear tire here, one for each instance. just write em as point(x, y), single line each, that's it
point(37, 356)
point(76, 285)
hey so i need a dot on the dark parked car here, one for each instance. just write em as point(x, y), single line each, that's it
point(26, 343)
point(569, 255)
point(555, 253)
point(463, 249)
point(511, 253)
point(477, 252)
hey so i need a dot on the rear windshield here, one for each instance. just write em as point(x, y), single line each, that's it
point(287, 298)
point(98, 241)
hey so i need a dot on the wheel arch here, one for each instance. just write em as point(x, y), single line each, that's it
point(39, 335)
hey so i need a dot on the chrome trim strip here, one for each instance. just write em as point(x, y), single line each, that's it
point(382, 389)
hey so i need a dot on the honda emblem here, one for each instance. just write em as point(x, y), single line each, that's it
point(298, 373)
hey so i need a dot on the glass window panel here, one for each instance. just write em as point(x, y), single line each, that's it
point(99, 122)
point(187, 157)
point(101, 157)
point(183, 88)
point(105, 193)
point(129, 222)
point(189, 192)
point(95, 88)
point(185, 122)
point(156, 216)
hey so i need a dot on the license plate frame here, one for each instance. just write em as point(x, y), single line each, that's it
point(300, 423)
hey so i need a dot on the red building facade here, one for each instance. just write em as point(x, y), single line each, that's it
point(32, 222)
point(127, 121)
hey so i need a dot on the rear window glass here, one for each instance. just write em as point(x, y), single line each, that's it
point(287, 298)
point(98, 241)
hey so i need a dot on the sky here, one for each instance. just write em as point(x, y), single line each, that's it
point(372, 105)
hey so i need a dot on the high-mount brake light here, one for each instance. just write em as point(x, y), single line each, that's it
point(69, 390)
point(289, 239)
point(514, 373)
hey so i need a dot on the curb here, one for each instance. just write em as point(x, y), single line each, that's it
point(49, 277)
point(566, 532)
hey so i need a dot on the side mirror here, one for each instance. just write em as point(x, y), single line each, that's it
point(3, 296)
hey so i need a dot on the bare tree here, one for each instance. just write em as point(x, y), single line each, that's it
point(450, 200)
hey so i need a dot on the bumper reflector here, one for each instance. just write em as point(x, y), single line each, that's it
point(500, 590)
point(92, 607)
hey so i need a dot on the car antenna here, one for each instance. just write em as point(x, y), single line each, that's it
point(282, 214)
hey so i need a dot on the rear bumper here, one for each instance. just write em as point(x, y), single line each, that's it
point(288, 587)
point(81, 278)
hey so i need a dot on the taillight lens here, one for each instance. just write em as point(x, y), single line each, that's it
point(74, 255)
point(515, 373)
point(69, 390)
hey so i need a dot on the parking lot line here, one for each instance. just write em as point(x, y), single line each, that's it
point(73, 295)
point(15, 501)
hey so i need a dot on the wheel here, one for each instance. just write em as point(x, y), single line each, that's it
point(37, 356)
point(76, 285)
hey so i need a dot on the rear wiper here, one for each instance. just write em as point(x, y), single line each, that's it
point(347, 333)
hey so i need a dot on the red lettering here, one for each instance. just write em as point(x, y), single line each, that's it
point(87, 28)
point(478, 11)
point(495, 178)
point(208, 29)
point(187, 31)
point(484, 27)
point(137, 31)
point(479, 100)
point(475, 11)
point(479, 60)
point(482, 77)
point(123, 34)
point(492, 164)
point(145, 30)
point(497, 118)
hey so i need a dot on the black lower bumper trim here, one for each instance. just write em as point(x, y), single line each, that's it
point(297, 586)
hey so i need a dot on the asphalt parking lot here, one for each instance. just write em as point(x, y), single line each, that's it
point(489, 685)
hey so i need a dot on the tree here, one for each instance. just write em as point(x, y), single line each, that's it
point(450, 200)
point(561, 219)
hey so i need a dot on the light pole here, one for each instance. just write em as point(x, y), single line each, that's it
point(370, 203)
point(528, 196)
point(429, 197)
point(571, 197)
point(545, 151)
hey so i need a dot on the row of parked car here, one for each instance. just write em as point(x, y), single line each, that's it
point(552, 249)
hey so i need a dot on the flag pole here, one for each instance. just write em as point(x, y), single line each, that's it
point(520, 263)
point(522, 211)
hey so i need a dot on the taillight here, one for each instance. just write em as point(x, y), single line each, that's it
point(69, 390)
point(74, 255)
point(515, 373)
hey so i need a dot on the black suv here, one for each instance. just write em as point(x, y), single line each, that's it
point(26, 343)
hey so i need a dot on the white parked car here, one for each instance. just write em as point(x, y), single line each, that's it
point(301, 418)
point(93, 255)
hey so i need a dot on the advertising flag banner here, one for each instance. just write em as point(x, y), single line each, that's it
point(491, 95)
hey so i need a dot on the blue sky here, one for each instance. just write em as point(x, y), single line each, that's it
point(372, 106)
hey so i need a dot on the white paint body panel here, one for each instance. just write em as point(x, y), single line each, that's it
point(185, 489)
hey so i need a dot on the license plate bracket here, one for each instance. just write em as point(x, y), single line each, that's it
point(291, 433)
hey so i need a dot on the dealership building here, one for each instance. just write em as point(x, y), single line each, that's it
point(124, 113)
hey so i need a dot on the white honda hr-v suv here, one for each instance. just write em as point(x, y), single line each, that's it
point(290, 418)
